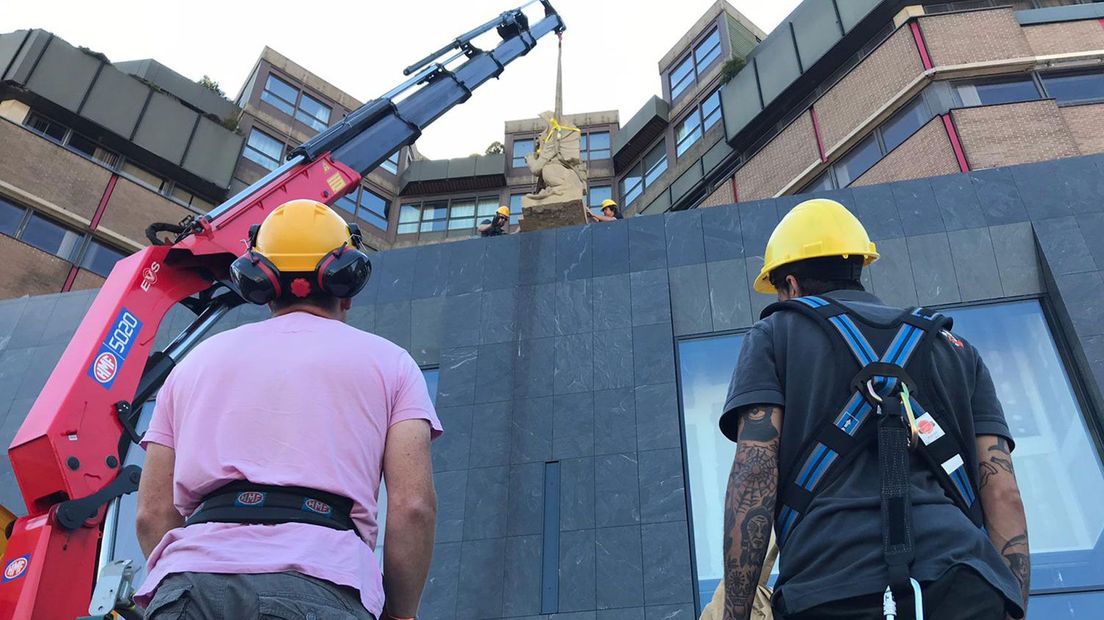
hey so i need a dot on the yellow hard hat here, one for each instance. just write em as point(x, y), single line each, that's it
point(816, 228)
point(297, 234)
point(608, 203)
point(504, 211)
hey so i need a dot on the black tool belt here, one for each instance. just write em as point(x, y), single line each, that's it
point(245, 502)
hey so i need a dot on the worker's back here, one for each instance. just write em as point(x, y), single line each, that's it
point(297, 400)
point(835, 551)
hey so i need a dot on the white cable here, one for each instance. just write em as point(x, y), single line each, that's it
point(916, 595)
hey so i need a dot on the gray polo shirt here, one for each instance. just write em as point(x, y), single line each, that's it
point(835, 552)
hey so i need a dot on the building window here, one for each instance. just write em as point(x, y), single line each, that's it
point(1074, 87)
point(72, 140)
point(594, 145)
point(100, 258)
point(688, 132)
point(313, 112)
point(521, 149)
point(1058, 465)
point(904, 123)
point(263, 149)
point(391, 164)
point(409, 216)
point(596, 194)
point(997, 91)
point(711, 110)
point(51, 237)
point(373, 208)
point(515, 208)
point(643, 174)
point(456, 217)
point(11, 218)
point(280, 95)
point(857, 161)
point(691, 68)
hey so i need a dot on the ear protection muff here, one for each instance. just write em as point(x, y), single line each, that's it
point(344, 271)
point(257, 279)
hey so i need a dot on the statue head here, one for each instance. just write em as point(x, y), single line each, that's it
point(547, 116)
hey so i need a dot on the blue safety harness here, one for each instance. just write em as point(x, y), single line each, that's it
point(886, 386)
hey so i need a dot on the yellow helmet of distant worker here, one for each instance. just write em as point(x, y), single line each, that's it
point(816, 228)
point(504, 211)
point(607, 203)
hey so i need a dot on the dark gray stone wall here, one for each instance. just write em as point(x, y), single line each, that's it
point(560, 346)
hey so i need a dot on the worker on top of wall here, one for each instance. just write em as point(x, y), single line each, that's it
point(267, 445)
point(496, 225)
point(892, 472)
point(610, 212)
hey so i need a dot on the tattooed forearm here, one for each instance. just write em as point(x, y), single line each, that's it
point(1015, 554)
point(1003, 508)
point(749, 508)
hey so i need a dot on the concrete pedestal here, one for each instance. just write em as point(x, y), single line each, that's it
point(544, 216)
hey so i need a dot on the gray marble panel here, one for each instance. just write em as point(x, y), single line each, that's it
point(462, 326)
point(623, 613)
point(958, 204)
point(619, 560)
point(975, 264)
point(482, 568)
point(611, 248)
point(395, 276)
point(574, 307)
point(452, 489)
point(577, 571)
point(667, 582)
point(651, 299)
point(427, 317)
point(500, 263)
point(757, 221)
point(1092, 229)
point(573, 425)
point(615, 421)
point(876, 208)
point(71, 308)
point(653, 354)
point(729, 296)
point(451, 450)
point(393, 322)
point(1083, 296)
point(574, 366)
point(574, 253)
point(617, 488)
point(30, 327)
point(577, 494)
point(485, 510)
point(578, 615)
point(536, 311)
point(465, 267)
point(431, 269)
point(1017, 259)
point(657, 417)
point(1043, 191)
point(684, 611)
point(522, 590)
point(362, 317)
point(996, 193)
point(531, 430)
point(753, 266)
point(933, 269)
point(495, 372)
point(613, 355)
point(525, 505)
point(537, 261)
point(1063, 245)
point(439, 599)
point(534, 367)
point(11, 310)
point(612, 302)
point(490, 443)
point(685, 240)
point(662, 491)
point(916, 206)
point(690, 305)
point(721, 231)
point(498, 316)
point(456, 385)
point(647, 243)
point(13, 369)
point(1085, 184)
point(892, 274)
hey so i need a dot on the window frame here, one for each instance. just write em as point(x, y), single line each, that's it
point(532, 140)
point(697, 69)
point(643, 174)
point(1042, 83)
point(475, 200)
point(246, 147)
point(293, 104)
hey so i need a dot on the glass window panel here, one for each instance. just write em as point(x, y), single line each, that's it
point(10, 217)
point(487, 209)
point(46, 127)
point(711, 110)
point(406, 229)
point(373, 208)
point(434, 211)
point(347, 202)
point(1076, 87)
point(434, 225)
point(708, 51)
point(658, 165)
point(263, 149)
point(993, 92)
point(462, 208)
point(82, 145)
point(681, 77)
point(515, 208)
point(100, 258)
point(599, 140)
point(182, 194)
point(409, 213)
point(904, 123)
point(630, 194)
point(583, 142)
point(687, 133)
point(106, 157)
point(597, 194)
point(313, 112)
point(143, 176)
point(202, 205)
point(391, 164)
point(521, 149)
point(824, 181)
point(279, 94)
point(51, 237)
point(858, 161)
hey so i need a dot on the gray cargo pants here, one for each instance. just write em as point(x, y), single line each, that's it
point(264, 596)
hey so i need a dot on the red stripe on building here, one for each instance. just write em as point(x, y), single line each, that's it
point(103, 202)
point(921, 46)
point(65, 288)
point(816, 132)
point(952, 135)
point(1102, 22)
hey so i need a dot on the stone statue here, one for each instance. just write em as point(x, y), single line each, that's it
point(556, 162)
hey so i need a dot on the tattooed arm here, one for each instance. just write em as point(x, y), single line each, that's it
point(749, 506)
point(1004, 512)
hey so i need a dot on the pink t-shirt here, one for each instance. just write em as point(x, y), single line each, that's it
point(297, 400)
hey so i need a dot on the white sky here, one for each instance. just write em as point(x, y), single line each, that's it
point(611, 48)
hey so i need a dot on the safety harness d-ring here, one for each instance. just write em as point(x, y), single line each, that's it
point(873, 393)
point(906, 404)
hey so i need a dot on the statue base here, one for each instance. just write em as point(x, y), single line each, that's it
point(552, 215)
